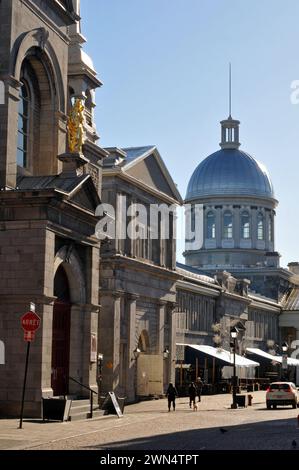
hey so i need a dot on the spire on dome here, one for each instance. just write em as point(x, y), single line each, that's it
point(230, 126)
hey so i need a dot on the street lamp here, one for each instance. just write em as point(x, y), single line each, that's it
point(166, 353)
point(234, 334)
point(284, 362)
point(136, 353)
point(284, 347)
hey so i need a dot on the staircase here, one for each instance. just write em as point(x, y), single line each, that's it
point(80, 409)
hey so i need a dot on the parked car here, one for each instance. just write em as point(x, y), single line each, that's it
point(282, 393)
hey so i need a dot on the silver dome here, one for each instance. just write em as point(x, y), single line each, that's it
point(230, 172)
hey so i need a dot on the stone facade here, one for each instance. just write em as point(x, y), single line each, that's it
point(49, 254)
point(207, 309)
point(138, 280)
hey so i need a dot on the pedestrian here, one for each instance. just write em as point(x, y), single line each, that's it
point(199, 387)
point(171, 395)
point(192, 395)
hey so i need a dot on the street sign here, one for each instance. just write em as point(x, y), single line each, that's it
point(30, 323)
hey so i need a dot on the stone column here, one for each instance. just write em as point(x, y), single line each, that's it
point(109, 338)
point(218, 226)
point(161, 322)
point(131, 333)
point(237, 226)
point(267, 232)
point(8, 133)
point(172, 345)
point(254, 227)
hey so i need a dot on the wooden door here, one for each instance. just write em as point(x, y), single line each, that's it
point(61, 348)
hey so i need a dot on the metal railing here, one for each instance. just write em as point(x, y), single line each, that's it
point(92, 392)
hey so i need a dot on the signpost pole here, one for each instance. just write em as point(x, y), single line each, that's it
point(30, 323)
point(24, 385)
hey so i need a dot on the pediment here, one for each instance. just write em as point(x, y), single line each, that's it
point(86, 196)
point(152, 172)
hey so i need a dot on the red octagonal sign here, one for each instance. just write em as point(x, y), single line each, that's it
point(30, 322)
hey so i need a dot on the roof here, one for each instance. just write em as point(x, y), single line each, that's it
point(223, 355)
point(291, 300)
point(190, 271)
point(230, 172)
point(137, 152)
point(145, 165)
point(63, 184)
point(259, 352)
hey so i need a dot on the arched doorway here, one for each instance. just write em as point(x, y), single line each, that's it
point(61, 334)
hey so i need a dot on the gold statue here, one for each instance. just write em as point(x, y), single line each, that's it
point(75, 127)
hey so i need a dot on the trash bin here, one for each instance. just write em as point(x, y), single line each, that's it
point(241, 400)
point(56, 409)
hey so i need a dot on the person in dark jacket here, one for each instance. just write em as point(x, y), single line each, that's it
point(199, 387)
point(192, 395)
point(171, 395)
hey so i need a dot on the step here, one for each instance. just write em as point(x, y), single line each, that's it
point(80, 403)
point(85, 415)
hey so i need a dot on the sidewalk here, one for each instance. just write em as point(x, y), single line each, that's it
point(36, 432)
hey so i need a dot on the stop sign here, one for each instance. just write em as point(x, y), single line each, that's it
point(30, 322)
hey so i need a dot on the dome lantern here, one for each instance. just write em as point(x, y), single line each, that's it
point(230, 133)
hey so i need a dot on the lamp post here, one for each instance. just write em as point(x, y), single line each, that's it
point(136, 353)
point(166, 353)
point(284, 363)
point(234, 334)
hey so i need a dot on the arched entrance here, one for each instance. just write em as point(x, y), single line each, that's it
point(61, 334)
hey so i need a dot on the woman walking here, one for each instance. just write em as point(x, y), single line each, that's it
point(171, 395)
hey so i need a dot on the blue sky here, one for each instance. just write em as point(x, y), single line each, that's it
point(164, 64)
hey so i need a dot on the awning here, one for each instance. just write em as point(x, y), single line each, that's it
point(223, 355)
point(291, 361)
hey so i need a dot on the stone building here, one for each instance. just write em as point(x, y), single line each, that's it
point(138, 277)
point(235, 276)
point(207, 309)
point(49, 254)
point(239, 217)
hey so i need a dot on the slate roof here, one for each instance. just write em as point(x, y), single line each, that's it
point(60, 183)
point(291, 300)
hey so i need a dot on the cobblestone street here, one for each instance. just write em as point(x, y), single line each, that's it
point(149, 426)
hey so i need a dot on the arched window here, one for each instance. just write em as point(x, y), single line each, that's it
point(23, 126)
point(37, 146)
point(211, 225)
point(227, 225)
point(245, 225)
point(271, 229)
point(260, 226)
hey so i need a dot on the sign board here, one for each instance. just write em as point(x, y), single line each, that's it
point(111, 405)
point(115, 404)
point(30, 323)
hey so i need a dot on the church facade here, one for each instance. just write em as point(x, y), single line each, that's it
point(49, 254)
